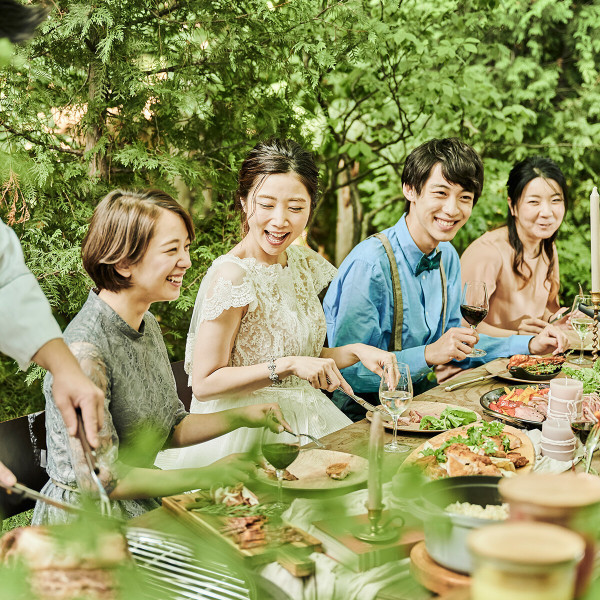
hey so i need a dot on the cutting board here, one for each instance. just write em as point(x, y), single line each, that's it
point(293, 556)
point(526, 449)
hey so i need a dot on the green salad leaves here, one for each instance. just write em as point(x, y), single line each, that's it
point(477, 437)
point(449, 419)
point(589, 376)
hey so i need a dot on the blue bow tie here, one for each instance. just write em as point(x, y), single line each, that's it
point(428, 264)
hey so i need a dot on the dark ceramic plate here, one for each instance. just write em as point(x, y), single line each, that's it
point(521, 373)
point(493, 395)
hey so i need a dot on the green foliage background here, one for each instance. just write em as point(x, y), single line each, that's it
point(172, 94)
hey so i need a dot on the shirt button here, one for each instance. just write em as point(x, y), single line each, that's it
point(423, 276)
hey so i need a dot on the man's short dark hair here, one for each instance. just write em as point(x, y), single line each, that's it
point(460, 164)
point(18, 22)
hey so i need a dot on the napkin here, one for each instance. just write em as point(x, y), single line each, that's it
point(545, 464)
point(332, 579)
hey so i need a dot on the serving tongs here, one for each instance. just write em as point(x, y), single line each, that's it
point(90, 459)
point(26, 492)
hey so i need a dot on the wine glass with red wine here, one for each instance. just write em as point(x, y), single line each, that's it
point(474, 307)
point(281, 450)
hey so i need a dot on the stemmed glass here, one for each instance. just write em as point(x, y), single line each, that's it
point(281, 450)
point(474, 307)
point(395, 394)
point(581, 323)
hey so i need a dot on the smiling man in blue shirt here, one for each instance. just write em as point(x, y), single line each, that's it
point(442, 181)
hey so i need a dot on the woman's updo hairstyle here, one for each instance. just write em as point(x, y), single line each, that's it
point(271, 157)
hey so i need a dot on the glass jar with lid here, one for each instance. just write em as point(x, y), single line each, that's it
point(571, 500)
point(524, 561)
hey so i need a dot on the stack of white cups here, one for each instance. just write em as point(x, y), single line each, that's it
point(565, 404)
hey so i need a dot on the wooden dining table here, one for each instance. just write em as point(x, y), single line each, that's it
point(354, 439)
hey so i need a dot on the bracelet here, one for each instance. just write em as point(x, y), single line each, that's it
point(272, 374)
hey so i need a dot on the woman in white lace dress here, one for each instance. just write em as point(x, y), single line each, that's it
point(258, 327)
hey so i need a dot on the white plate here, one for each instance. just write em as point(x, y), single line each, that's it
point(424, 408)
point(310, 467)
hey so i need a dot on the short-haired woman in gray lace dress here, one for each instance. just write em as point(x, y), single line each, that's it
point(137, 252)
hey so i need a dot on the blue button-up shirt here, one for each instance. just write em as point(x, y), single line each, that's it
point(359, 306)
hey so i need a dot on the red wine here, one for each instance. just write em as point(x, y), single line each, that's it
point(473, 315)
point(280, 456)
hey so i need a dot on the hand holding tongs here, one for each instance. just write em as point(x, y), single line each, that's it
point(90, 458)
point(23, 490)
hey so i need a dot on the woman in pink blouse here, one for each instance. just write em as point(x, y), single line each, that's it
point(519, 261)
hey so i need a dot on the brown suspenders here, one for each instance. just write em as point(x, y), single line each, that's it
point(396, 336)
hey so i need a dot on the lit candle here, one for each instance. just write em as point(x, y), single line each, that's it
point(595, 239)
point(374, 501)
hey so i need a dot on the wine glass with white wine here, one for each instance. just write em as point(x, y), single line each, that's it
point(395, 394)
point(582, 324)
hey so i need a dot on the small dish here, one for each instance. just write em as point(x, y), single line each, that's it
point(524, 374)
point(494, 395)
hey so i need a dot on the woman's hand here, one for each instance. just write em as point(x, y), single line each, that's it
point(551, 339)
point(374, 358)
point(263, 415)
point(321, 373)
point(531, 326)
point(227, 471)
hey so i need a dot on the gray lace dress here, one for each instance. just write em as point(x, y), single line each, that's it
point(141, 405)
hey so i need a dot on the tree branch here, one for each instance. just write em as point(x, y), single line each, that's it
point(31, 139)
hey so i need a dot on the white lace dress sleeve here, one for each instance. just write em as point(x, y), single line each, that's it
point(226, 285)
point(318, 268)
point(284, 318)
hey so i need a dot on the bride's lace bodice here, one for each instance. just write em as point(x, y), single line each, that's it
point(284, 316)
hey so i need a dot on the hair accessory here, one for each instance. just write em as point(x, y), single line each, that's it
point(272, 374)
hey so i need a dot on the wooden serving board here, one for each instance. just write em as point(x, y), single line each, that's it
point(434, 577)
point(526, 449)
point(293, 556)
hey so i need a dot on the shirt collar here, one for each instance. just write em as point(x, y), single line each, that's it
point(115, 318)
point(411, 251)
